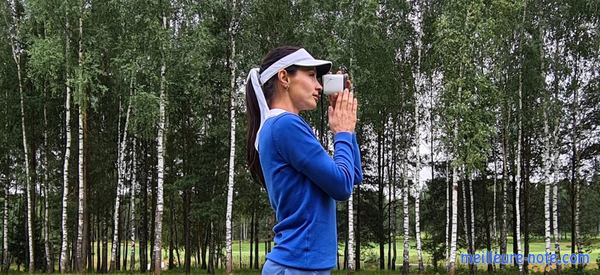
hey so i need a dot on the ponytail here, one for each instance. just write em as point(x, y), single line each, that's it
point(253, 109)
point(253, 117)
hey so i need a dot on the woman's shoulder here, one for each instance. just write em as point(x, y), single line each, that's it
point(289, 122)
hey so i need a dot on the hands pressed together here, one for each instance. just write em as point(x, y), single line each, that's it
point(342, 111)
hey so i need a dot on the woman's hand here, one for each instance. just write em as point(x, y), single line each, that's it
point(342, 118)
point(333, 97)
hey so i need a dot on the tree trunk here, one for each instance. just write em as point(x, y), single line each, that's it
point(555, 170)
point(160, 167)
point(5, 257)
point(132, 204)
point(394, 202)
point(465, 216)
point(350, 241)
point(251, 262)
point(417, 142)
point(81, 163)
point(547, 195)
point(144, 214)
point(495, 203)
point(519, 141)
point(186, 228)
point(416, 181)
point(122, 148)
point(389, 209)
point(171, 264)
point(357, 254)
point(98, 244)
point(454, 227)
point(47, 247)
point(472, 229)
point(575, 242)
point(15, 39)
point(231, 177)
point(504, 232)
point(447, 247)
point(490, 267)
point(63, 261)
point(405, 195)
point(380, 211)
point(103, 269)
point(124, 238)
point(211, 255)
point(256, 238)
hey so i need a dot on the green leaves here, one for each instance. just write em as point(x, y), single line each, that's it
point(144, 122)
point(46, 58)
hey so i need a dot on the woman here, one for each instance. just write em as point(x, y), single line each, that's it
point(302, 180)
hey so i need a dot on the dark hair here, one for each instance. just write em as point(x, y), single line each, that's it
point(253, 111)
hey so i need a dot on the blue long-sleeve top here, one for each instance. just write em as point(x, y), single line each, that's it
point(303, 182)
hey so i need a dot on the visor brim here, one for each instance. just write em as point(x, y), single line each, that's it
point(322, 66)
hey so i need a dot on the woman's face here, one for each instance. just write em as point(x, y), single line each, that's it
point(304, 89)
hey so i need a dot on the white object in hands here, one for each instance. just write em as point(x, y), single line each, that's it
point(333, 83)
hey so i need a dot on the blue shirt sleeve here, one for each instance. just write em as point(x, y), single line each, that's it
point(297, 144)
point(358, 175)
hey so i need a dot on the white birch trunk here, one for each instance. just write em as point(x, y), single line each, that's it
point(494, 224)
point(465, 210)
point(81, 191)
point(81, 164)
point(231, 176)
point(453, 235)
point(132, 204)
point(351, 264)
point(416, 173)
point(14, 34)
point(447, 212)
point(161, 162)
point(503, 233)
point(576, 186)
point(49, 264)
point(120, 178)
point(63, 261)
point(472, 242)
point(518, 176)
point(406, 249)
point(547, 191)
point(519, 139)
point(555, 190)
point(5, 261)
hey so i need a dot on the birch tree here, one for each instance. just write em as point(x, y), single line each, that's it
point(233, 25)
point(519, 141)
point(133, 189)
point(418, 76)
point(17, 54)
point(122, 147)
point(63, 260)
point(157, 260)
point(405, 194)
point(81, 158)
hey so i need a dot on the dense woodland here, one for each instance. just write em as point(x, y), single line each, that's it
point(123, 130)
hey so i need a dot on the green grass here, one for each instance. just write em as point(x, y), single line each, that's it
point(369, 257)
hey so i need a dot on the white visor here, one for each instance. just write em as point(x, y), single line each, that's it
point(299, 58)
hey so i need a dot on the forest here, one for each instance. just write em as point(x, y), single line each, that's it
point(123, 127)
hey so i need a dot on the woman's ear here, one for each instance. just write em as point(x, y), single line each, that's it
point(283, 78)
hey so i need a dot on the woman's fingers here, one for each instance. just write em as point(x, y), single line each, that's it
point(333, 99)
point(338, 103)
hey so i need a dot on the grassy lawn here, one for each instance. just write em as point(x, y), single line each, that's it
point(369, 258)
